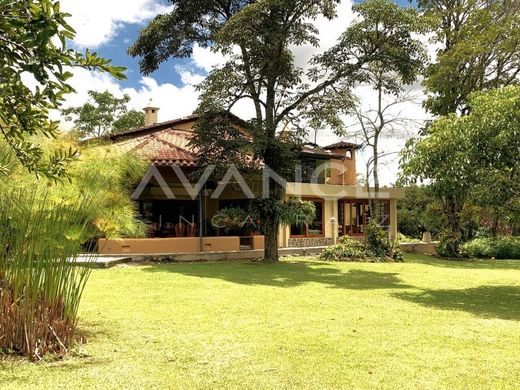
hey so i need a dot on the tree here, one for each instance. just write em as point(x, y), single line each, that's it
point(256, 37)
point(388, 79)
point(128, 120)
point(418, 212)
point(470, 159)
point(494, 123)
point(103, 115)
point(34, 70)
point(479, 50)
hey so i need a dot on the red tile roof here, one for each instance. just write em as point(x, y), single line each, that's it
point(320, 153)
point(342, 145)
point(168, 124)
point(167, 147)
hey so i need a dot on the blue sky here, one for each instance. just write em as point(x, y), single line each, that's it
point(116, 49)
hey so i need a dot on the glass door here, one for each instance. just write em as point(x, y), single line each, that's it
point(354, 216)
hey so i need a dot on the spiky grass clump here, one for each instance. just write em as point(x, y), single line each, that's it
point(39, 290)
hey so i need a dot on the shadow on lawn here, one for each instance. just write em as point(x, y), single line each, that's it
point(285, 274)
point(471, 264)
point(501, 302)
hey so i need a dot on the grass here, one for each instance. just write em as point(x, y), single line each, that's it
point(423, 324)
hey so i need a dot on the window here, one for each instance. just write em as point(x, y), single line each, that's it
point(306, 171)
point(315, 228)
point(348, 153)
point(353, 215)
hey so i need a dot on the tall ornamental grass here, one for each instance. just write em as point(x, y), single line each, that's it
point(39, 290)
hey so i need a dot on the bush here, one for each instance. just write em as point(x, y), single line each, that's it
point(40, 291)
point(419, 212)
point(230, 218)
point(379, 245)
point(347, 249)
point(377, 240)
point(404, 238)
point(505, 247)
point(449, 245)
point(376, 247)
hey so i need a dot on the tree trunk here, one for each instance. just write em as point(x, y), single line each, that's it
point(454, 208)
point(376, 168)
point(271, 243)
point(494, 228)
point(375, 210)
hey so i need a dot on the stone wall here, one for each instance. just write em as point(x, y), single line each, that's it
point(309, 242)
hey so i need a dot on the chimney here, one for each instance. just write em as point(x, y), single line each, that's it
point(150, 114)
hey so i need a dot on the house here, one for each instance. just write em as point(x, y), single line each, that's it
point(180, 216)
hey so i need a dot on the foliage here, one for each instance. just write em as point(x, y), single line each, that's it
point(289, 212)
point(470, 159)
point(503, 247)
point(100, 173)
point(230, 218)
point(226, 142)
point(128, 120)
point(39, 291)
point(479, 49)
point(379, 244)
point(450, 244)
point(257, 38)
point(376, 239)
point(403, 238)
point(108, 176)
point(295, 211)
point(103, 115)
point(418, 212)
point(347, 249)
point(34, 72)
point(376, 247)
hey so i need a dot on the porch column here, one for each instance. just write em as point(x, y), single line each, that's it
point(393, 219)
point(201, 203)
point(335, 226)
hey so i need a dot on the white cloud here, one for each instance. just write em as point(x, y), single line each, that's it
point(173, 101)
point(96, 21)
point(206, 59)
point(329, 32)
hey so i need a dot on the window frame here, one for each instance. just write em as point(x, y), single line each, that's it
point(365, 204)
point(307, 235)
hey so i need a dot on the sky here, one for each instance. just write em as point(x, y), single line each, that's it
point(110, 27)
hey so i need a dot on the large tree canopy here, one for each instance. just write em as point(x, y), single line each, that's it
point(35, 66)
point(479, 49)
point(474, 157)
point(256, 37)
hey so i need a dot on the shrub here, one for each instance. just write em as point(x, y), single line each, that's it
point(505, 247)
point(376, 239)
point(379, 244)
point(404, 238)
point(376, 247)
point(347, 249)
point(450, 245)
point(229, 218)
point(40, 290)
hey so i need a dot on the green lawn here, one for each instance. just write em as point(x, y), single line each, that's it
point(423, 324)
